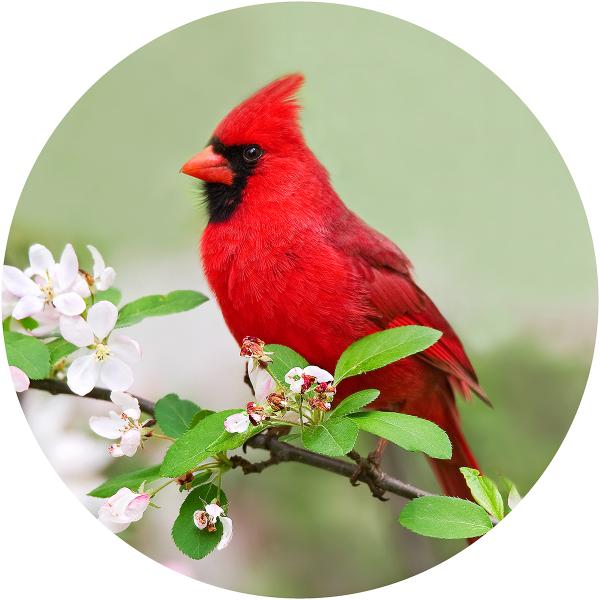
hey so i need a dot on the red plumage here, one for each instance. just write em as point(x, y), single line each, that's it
point(293, 265)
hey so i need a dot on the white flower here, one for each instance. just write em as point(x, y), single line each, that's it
point(103, 276)
point(208, 518)
point(237, 423)
point(20, 379)
point(110, 353)
point(122, 509)
point(300, 379)
point(54, 285)
point(262, 382)
point(123, 424)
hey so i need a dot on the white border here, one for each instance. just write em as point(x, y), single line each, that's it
point(543, 50)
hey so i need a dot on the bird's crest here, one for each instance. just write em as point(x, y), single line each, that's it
point(268, 116)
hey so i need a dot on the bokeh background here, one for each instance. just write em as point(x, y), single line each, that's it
point(429, 147)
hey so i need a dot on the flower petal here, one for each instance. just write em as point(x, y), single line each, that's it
point(83, 374)
point(106, 279)
point(115, 451)
point(40, 259)
point(18, 283)
point(262, 383)
point(237, 423)
point(136, 507)
point(110, 427)
point(102, 318)
point(130, 441)
point(127, 403)
point(69, 304)
point(20, 379)
point(214, 511)
point(125, 348)
point(81, 287)
point(293, 375)
point(28, 306)
point(115, 374)
point(66, 271)
point(227, 533)
point(321, 375)
point(76, 330)
point(99, 265)
point(106, 518)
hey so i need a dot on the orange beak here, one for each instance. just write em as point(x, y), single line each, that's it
point(209, 166)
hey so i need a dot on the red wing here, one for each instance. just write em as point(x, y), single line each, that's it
point(396, 300)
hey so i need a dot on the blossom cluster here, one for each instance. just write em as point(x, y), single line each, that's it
point(311, 383)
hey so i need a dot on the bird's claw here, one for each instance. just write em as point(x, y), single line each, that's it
point(367, 470)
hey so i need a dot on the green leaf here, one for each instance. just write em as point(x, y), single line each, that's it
point(292, 438)
point(157, 306)
point(283, 359)
point(193, 542)
point(334, 437)
point(189, 450)
point(485, 492)
point(111, 295)
point(354, 403)
point(445, 517)
point(29, 323)
point(28, 354)
point(382, 348)
point(174, 415)
point(131, 480)
point(59, 348)
point(411, 433)
point(6, 324)
point(201, 414)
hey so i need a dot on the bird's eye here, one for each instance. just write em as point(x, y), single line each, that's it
point(252, 153)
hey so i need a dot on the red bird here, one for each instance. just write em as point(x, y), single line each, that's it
point(291, 264)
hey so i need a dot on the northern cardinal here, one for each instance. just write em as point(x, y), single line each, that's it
point(291, 264)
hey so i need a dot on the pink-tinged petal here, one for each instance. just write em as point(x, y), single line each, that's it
point(115, 451)
point(136, 507)
point(20, 379)
point(130, 441)
point(237, 423)
point(9, 301)
point(262, 383)
point(227, 533)
point(102, 318)
point(76, 330)
point(69, 304)
point(200, 519)
point(296, 386)
point(105, 517)
point(214, 511)
point(28, 306)
point(125, 348)
point(48, 321)
point(127, 403)
point(68, 268)
point(81, 287)
point(321, 375)
point(115, 374)
point(83, 374)
point(16, 282)
point(99, 264)
point(110, 427)
point(40, 259)
point(106, 279)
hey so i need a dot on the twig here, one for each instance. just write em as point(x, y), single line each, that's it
point(280, 451)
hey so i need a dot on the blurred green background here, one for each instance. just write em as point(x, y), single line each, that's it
point(426, 145)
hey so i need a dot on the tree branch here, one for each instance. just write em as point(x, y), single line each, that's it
point(279, 451)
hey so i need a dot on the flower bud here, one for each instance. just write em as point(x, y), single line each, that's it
point(277, 401)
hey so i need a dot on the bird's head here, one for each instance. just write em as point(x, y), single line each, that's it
point(258, 143)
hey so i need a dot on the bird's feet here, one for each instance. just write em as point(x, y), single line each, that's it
point(368, 471)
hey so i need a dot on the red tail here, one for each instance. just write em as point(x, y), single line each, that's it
point(447, 471)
